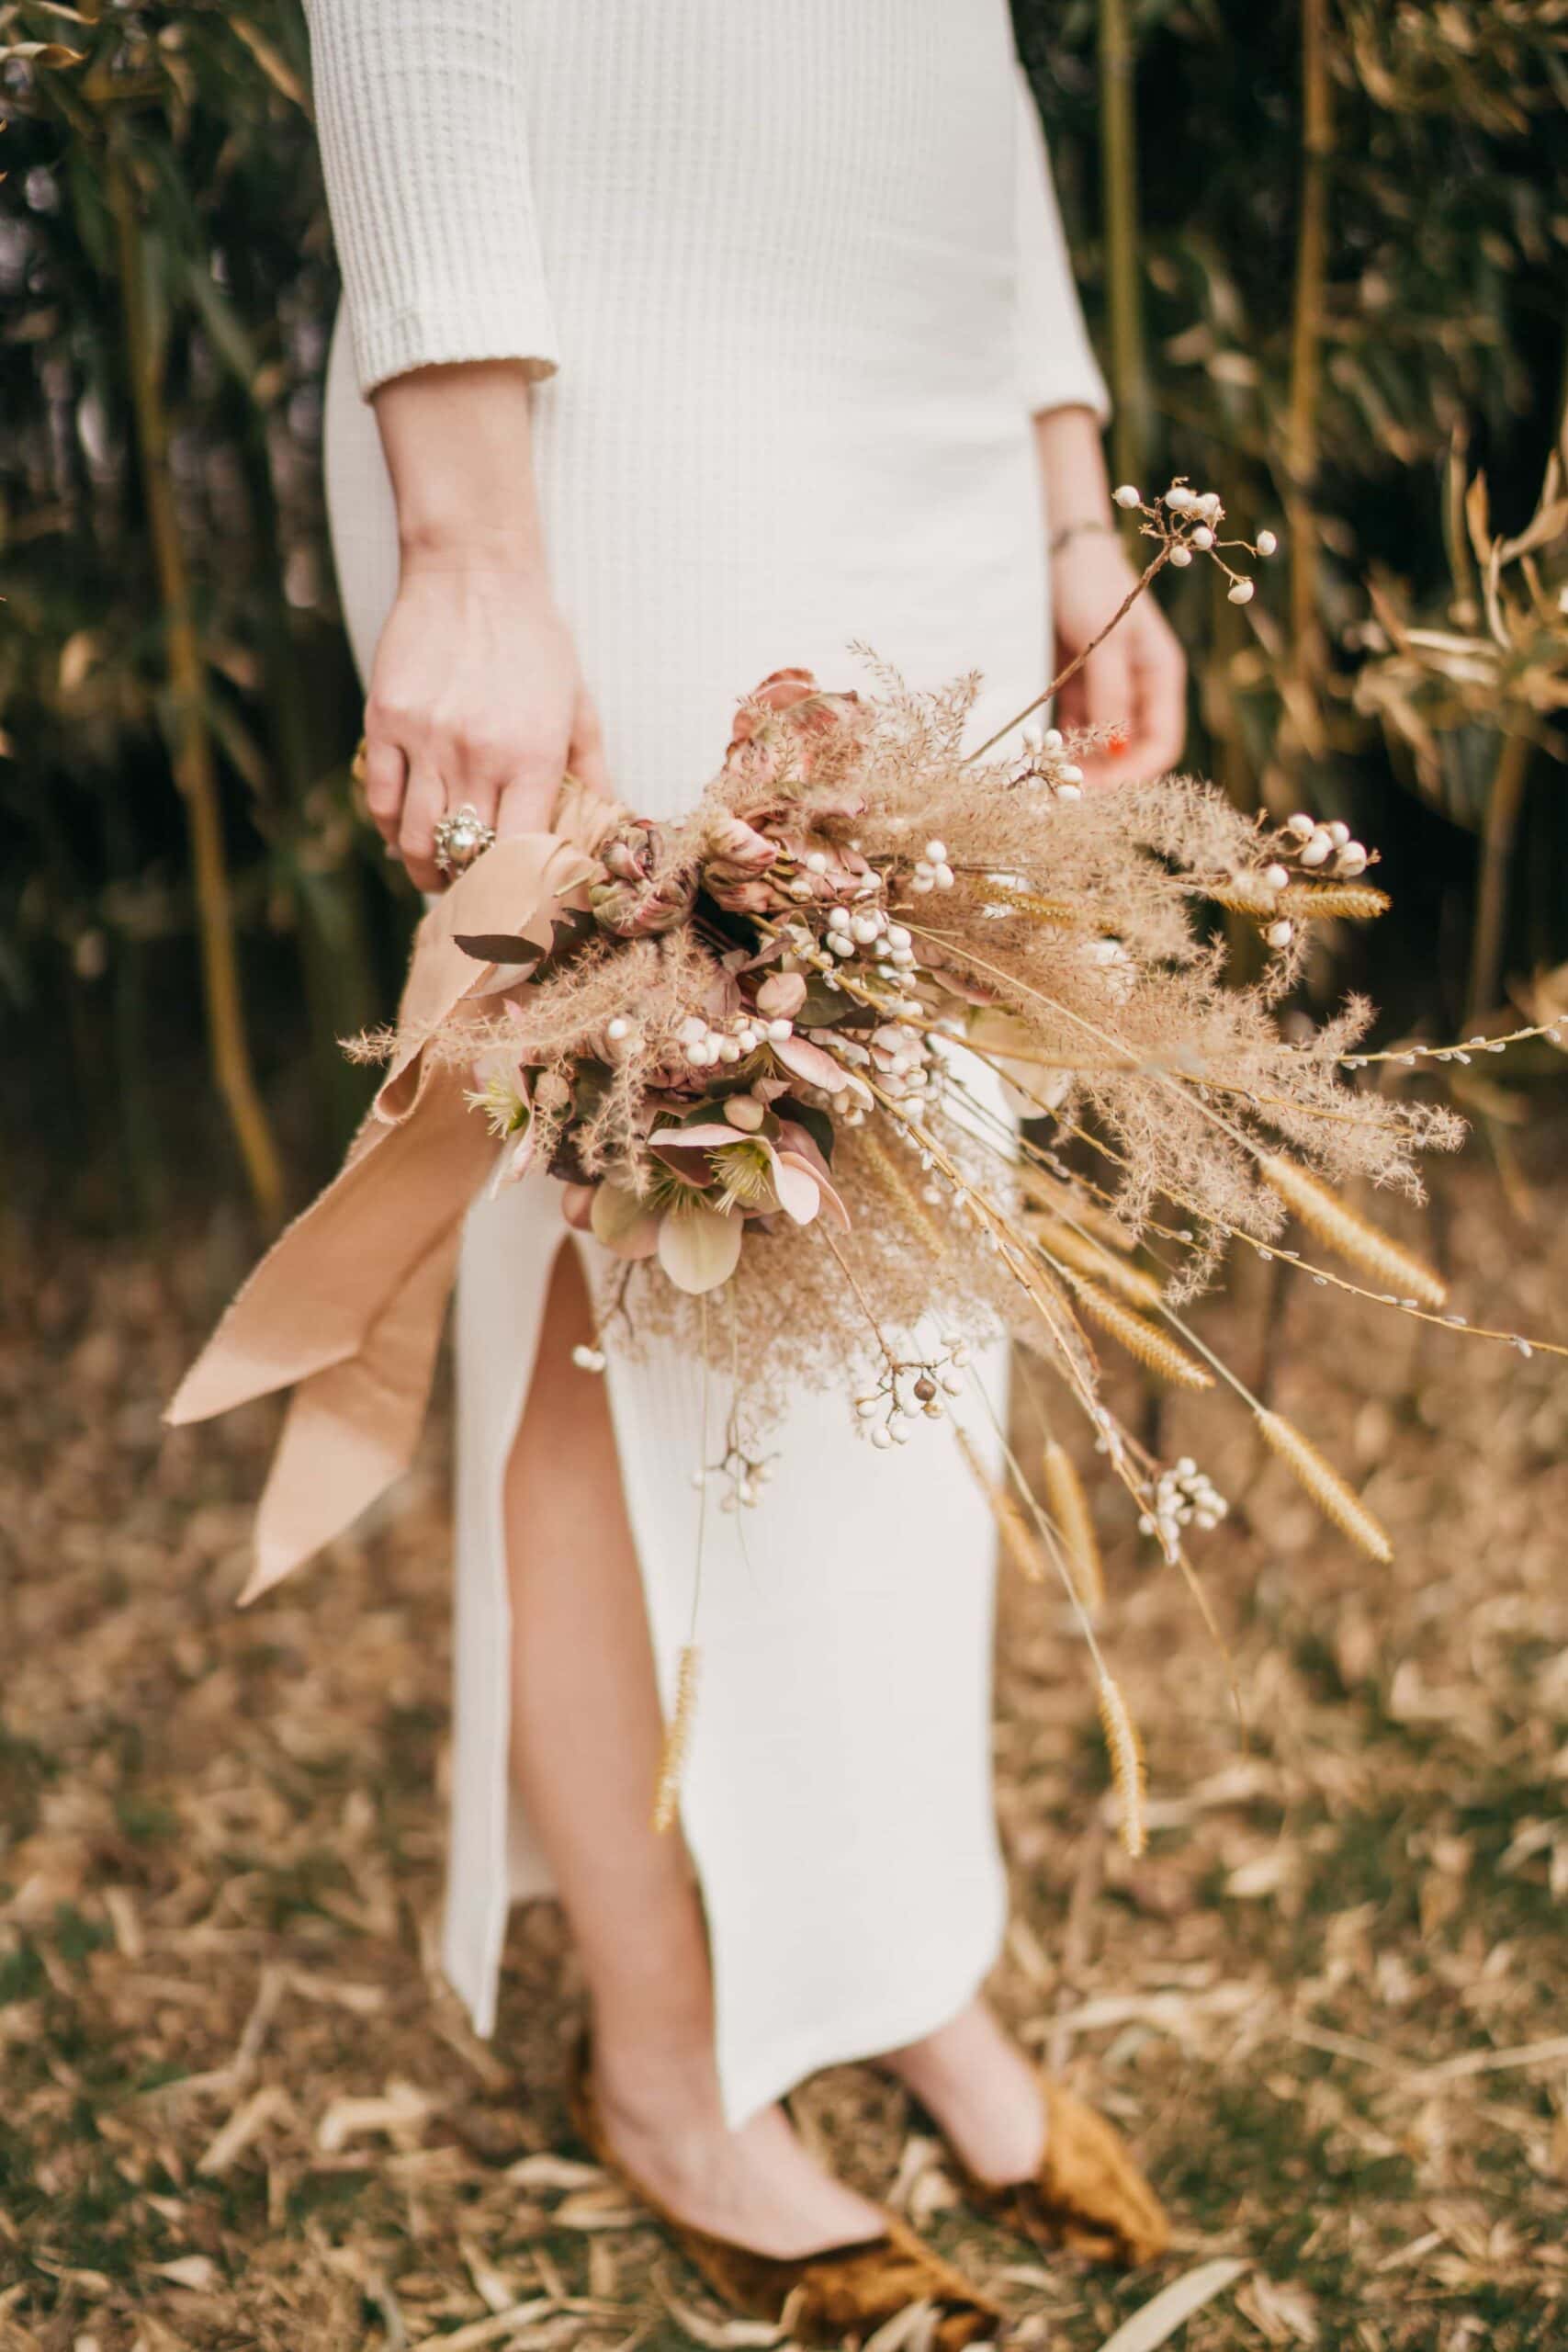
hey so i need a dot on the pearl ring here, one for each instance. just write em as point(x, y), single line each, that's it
point(460, 838)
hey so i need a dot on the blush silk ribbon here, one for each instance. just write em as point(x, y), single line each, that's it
point(346, 1308)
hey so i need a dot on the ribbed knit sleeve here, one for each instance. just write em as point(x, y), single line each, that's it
point(1057, 359)
point(419, 111)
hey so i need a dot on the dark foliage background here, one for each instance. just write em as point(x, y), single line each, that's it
point(1322, 247)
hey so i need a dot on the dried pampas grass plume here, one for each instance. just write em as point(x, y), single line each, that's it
point(677, 1739)
point(1019, 1540)
point(1355, 1238)
point(1069, 1506)
point(1125, 1750)
point(1145, 1340)
point(1334, 1498)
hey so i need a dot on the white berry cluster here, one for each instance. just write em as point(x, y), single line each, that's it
point(744, 1475)
point(1186, 519)
point(588, 1359)
point(1045, 762)
point(706, 1042)
point(932, 871)
point(868, 934)
point(908, 1391)
point(1184, 1497)
point(1328, 848)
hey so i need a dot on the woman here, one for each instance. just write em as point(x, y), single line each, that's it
point(682, 340)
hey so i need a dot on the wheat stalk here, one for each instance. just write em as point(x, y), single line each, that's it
point(1125, 1750)
point(1076, 1250)
point(1145, 1340)
point(1069, 1508)
point(677, 1739)
point(1334, 1498)
point(1018, 1542)
point(1352, 1234)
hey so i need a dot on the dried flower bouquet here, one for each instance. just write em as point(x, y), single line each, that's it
point(778, 1052)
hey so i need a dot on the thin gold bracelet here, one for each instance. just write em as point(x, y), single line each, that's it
point(1089, 525)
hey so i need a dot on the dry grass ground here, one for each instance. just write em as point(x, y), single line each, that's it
point(239, 2111)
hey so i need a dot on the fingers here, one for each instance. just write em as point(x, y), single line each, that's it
point(424, 803)
point(1160, 682)
point(1108, 703)
point(528, 800)
point(1134, 686)
point(386, 775)
point(585, 753)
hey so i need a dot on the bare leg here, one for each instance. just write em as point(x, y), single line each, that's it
point(585, 1743)
point(983, 2091)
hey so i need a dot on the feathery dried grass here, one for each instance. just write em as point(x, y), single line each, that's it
point(1068, 1506)
point(1354, 1237)
point(1145, 1341)
point(1019, 1542)
point(1344, 1509)
point(1125, 1751)
point(1087, 1257)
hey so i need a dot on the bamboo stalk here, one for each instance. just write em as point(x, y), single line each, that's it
point(1504, 804)
point(1124, 267)
point(194, 767)
point(1302, 425)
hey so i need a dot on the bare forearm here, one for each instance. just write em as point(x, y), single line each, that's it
point(459, 443)
point(475, 696)
point(1072, 467)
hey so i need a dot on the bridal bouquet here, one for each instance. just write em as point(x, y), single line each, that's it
point(885, 1049)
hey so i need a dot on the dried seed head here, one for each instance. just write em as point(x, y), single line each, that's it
point(1145, 1341)
point(1348, 901)
point(1019, 1540)
point(1334, 1498)
point(1087, 1257)
point(1354, 1237)
point(1069, 1506)
point(1125, 1751)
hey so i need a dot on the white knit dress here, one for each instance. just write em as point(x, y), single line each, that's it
point(791, 281)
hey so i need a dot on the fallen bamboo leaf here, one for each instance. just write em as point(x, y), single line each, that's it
point(198, 2271)
point(1157, 2322)
point(607, 2206)
point(231, 2143)
point(715, 2335)
point(491, 2330)
point(553, 2171)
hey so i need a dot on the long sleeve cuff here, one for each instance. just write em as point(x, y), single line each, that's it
point(424, 136)
point(1056, 359)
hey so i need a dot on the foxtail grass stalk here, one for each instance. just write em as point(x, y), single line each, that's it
point(1352, 1235)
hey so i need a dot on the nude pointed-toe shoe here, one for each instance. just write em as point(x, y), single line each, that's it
point(1088, 2195)
point(840, 2295)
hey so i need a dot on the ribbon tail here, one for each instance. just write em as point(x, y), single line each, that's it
point(326, 1280)
point(352, 1429)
